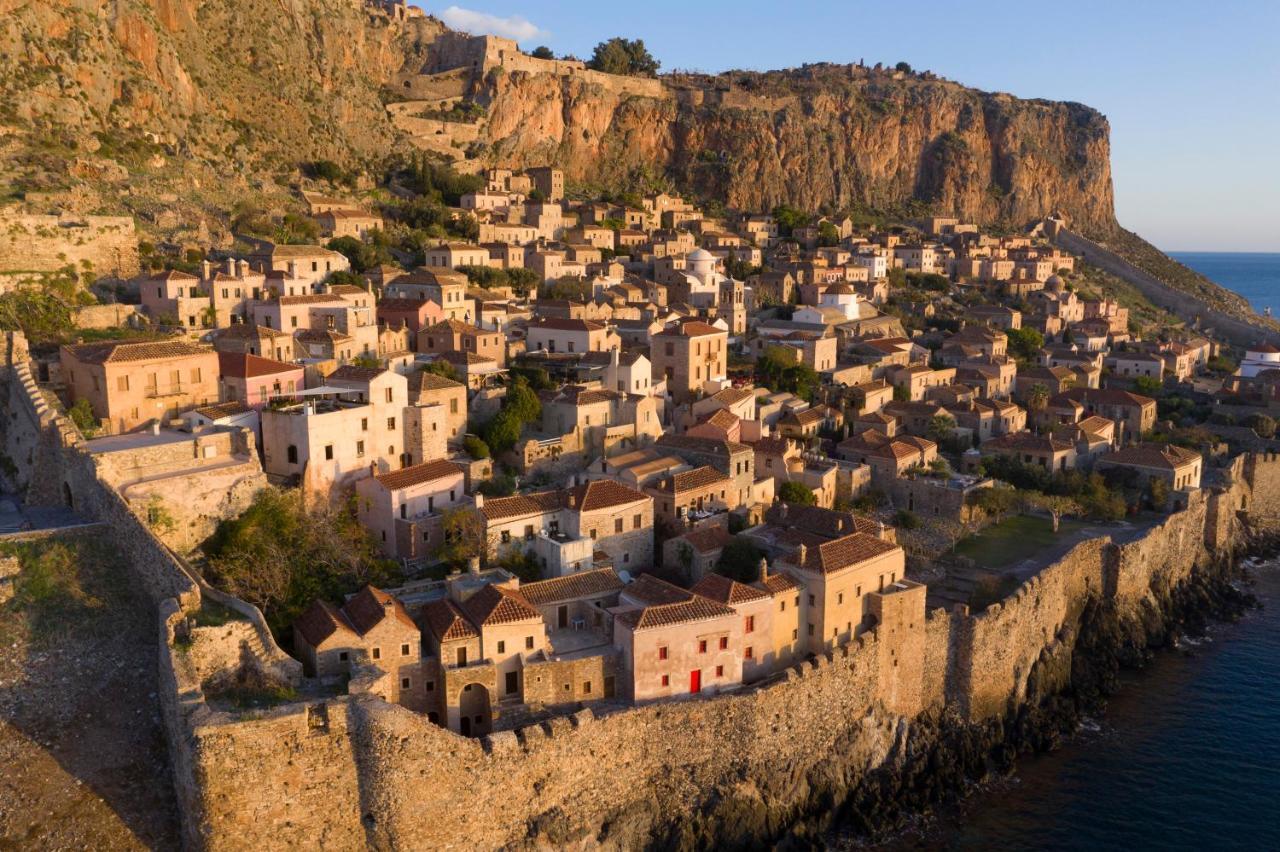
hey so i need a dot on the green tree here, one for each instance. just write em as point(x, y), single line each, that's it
point(443, 369)
point(996, 501)
point(740, 560)
point(82, 415)
point(624, 56)
point(1038, 398)
point(798, 493)
point(1147, 385)
point(566, 287)
point(542, 52)
point(364, 255)
point(462, 536)
point(1025, 343)
point(475, 447)
point(1262, 424)
point(828, 235)
point(941, 427)
point(904, 67)
point(788, 219)
point(1056, 505)
point(780, 372)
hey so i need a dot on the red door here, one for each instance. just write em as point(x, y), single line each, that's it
point(695, 681)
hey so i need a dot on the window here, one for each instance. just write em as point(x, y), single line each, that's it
point(840, 598)
point(343, 655)
point(506, 536)
point(404, 683)
point(431, 686)
point(748, 654)
point(810, 600)
point(810, 629)
point(377, 653)
point(662, 652)
point(364, 424)
point(666, 680)
point(795, 634)
point(328, 452)
point(782, 606)
point(122, 383)
point(617, 525)
point(292, 454)
point(502, 647)
point(702, 646)
point(389, 395)
point(719, 671)
point(391, 423)
point(404, 650)
point(636, 522)
point(528, 642)
point(359, 449)
point(593, 534)
point(751, 623)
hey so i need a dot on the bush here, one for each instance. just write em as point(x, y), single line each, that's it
point(81, 414)
point(1262, 424)
point(740, 560)
point(624, 56)
point(475, 447)
point(906, 519)
point(542, 52)
point(798, 493)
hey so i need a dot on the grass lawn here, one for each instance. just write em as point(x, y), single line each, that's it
point(1014, 539)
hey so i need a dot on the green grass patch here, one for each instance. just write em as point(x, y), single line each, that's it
point(1014, 539)
point(214, 614)
point(65, 584)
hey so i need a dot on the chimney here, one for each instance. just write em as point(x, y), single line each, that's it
point(242, 268)
point(764, 569)
point(573, 500)
point(478, 498)
point(231, 266)
point(473, 565)
point(882, 530)
point(206, 270)
point(802, 553)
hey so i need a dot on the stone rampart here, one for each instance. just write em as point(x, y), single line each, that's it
point(100, 245)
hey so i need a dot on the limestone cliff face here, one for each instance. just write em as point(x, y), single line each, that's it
point(835, 135)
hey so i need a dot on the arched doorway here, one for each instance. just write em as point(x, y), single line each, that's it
point(474, 715)
point(66, 496)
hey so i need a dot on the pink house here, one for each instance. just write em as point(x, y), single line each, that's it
point(253, 380)
point(413, 314)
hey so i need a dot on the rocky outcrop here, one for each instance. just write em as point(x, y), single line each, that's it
point(837, 136)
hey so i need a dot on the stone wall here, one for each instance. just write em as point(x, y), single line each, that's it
point(632, 776)
point(101, 245)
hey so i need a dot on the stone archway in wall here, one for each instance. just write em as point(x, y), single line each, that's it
point(475, 713)
point(67, 499)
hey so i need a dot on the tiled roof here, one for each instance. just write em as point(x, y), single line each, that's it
point(696, 608)
point(245, 331)
point(1027, 442)
point(773, 446)
point(417, 474)
point(467, 358)
point(584, 584)
point(690, 328)
point(320, 621)
point(723, 419)
point(779, 583)
point(1106, 396)
point(496, 605)
point(453, 326)
point(1163, 456)
point(842, 553)
point(352, 373)
point(828, 523)
point(402, 304)
point(424, 380)
point(116, 352)
point(223, 409)
point(693, 443)
point(723, 590)
point(519, 505)
point(325, 335)
point(732, 396)
point(311, 299)
point(653, 590)
point(369, 606)
point(245, 366)
point(689, 480)
point(559, 324)
point(604, 494)
point(446, 622)
point(707, 539)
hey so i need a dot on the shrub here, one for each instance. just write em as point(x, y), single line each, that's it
point(906, 519)
point(475, 447)
point(797, 492)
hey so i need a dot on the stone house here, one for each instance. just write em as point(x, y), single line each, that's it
point(178, 298)
point(453, 335)
point(308, 263)
point(803, 426)
point(696, 552)
point(371, 627)
point(837, 577)
point(254, 381)
point(128, 384)
point(685, 497)
point(1135, 414)
point(445, 287)
point(454, 255)
point(1049, 453)
point(691, 357)
point(403, 509)
point(888, 457)
point(550, 334)
point(755, 606)
point(917, 379)
point(412, 314)
point(674, 642)
point(1178, 467)
point(250, 339)
point(430, 389)
point(348, 223)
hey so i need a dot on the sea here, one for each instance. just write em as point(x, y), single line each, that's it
point(1186, 756)
point(1254, 275)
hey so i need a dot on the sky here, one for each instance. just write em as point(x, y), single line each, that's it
point(1191, 89)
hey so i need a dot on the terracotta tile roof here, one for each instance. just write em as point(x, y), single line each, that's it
point(604, 494)
point(707, 539)
point(584, 584)
point(368, 607)
point(804, 418)
point(723, 590)
point(828, 523)
point(690, 480)
point(446, 622)
point(119, 351)
point(520, 505)
point(559, 324)
point(352, 373)
point(842, 553)
point(347, 290)
point(311, 299)
point(173, 275)
point(1106, 396)
point(466, 358)
point(417, 474)
point(1161, 456)
point(246, 331)
point(696, 608)
point(402, 304)
point(723, 419)
point(690, 328)
point(311, 335)
point(423, 380)
point(245, 366)
point(320, 621)
point(732, 396)
point(496, 605)
point(779, 583)
point(453, 326)
point(1027, 442)
point(693, 443)
point(652, 590)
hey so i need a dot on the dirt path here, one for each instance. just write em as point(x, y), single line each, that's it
point(82, 755)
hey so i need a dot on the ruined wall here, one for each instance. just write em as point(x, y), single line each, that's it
point(101, 245)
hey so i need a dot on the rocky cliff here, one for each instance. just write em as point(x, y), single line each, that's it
point(839, 136)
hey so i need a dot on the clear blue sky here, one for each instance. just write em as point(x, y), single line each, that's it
point(1191, 88)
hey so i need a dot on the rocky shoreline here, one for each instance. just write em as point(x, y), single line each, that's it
point(939, 759)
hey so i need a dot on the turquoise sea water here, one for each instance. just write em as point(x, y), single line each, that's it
point(1256, 276)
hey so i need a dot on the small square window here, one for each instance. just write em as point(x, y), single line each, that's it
point(431, 686)
point(702, 646)
point(377, 653)
point(662, 652)
point(404, 683)
point(528, 642)
point(666, 680)
point(502, 647)
point(586, 687)
point(719, 671)
point(342, 655)
point(748, 654)
point(724, 642)
point(404, 650)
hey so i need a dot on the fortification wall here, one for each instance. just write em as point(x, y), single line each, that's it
point(102, 245)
